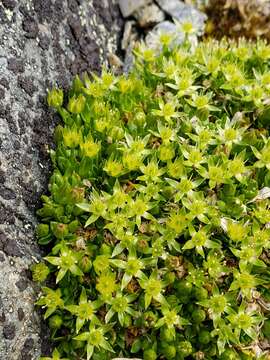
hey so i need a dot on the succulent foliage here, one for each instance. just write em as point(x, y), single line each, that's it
point(157, 220)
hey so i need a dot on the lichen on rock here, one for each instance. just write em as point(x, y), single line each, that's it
point(42, 43)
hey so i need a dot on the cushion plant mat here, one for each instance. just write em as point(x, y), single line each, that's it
point(157, 218)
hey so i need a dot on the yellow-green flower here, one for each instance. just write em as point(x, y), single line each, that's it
point(55, 98)
point(106, 284)
point(76, 104)
point(90, 148)
point(72, 137)
point(114, 168)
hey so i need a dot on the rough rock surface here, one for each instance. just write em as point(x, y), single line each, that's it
point(128, 7)
point(149, 15)
point(42, 43)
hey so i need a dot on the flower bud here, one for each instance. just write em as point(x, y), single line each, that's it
point(149, 319)
point(198, 316)
point(166, 334)
point(169, 352)
point(101, 263)
point(204, 337)
point(77, 84)
point(117, 133)
point(184, 348)
point(166, 152)
point(149, 354)
point(55, 322)
point(140, 118)
point(85, 264)
point(58, 133)
point(71, 137)
point(59, 230)
point(200, 293)
point(55, 98)
point(40, 272)
point(173, 262)
point(77, 344)
point(76, 104)
point(90, 148)
point(77, 194)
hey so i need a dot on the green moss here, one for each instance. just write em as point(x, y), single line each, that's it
point(156, 217)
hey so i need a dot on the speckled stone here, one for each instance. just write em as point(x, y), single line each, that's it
point(42, 43)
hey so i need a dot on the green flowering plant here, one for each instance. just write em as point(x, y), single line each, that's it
point(121, 306)
point(84, 311)
point(157, 218)
point(95, 338)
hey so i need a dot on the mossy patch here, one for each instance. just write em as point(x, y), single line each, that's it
point(158, 211)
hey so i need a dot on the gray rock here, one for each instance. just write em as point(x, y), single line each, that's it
point(128, 7)
point(130, 37)
point(149, 15)
point(128, 34)
point(184, 12)
point(129, 59)
point(42, 43)
point(115, 63)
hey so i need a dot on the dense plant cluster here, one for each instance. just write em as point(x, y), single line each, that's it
point(158, 215)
